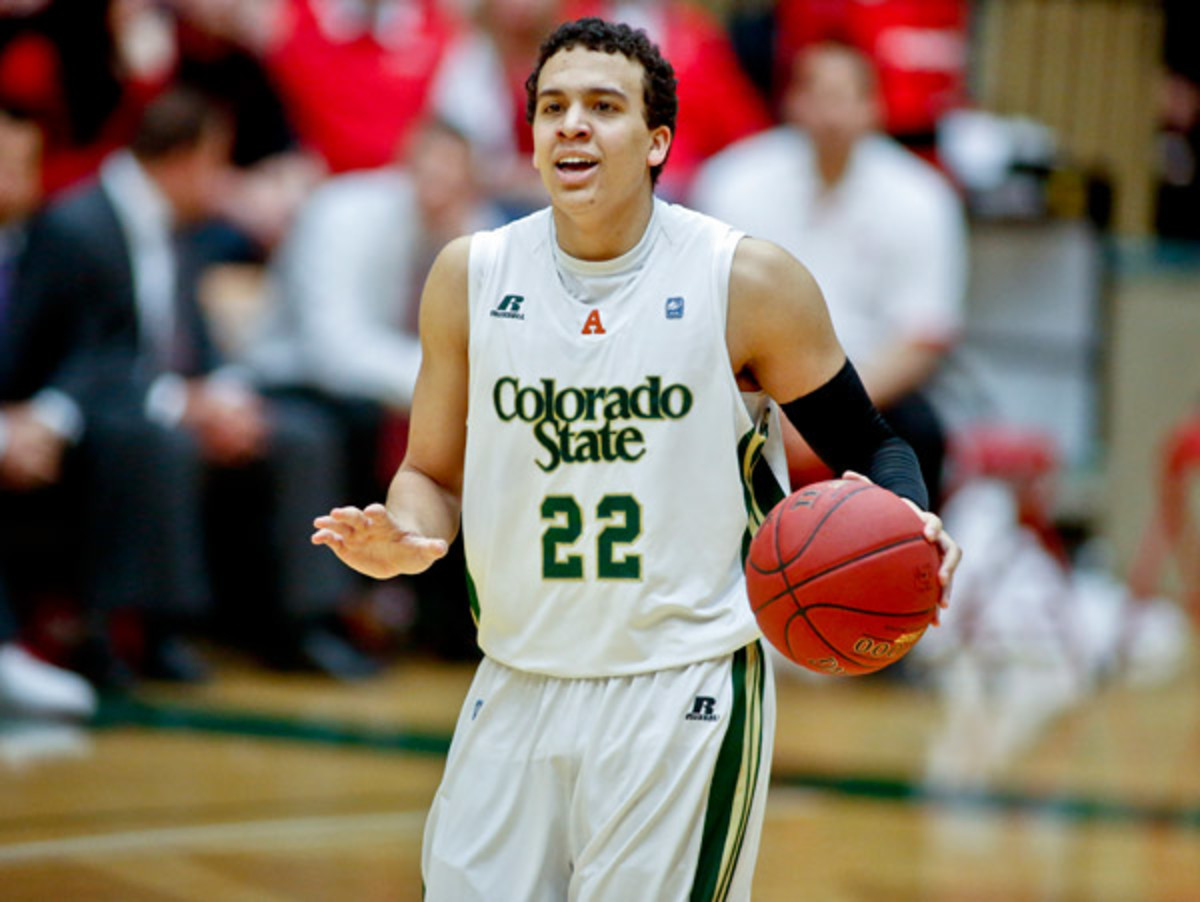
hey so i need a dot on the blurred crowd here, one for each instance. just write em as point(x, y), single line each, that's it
point(215, 219)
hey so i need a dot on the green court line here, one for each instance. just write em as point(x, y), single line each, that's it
point(1054, 806)
point(130, 711)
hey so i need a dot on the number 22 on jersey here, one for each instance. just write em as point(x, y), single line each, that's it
point(622, 519)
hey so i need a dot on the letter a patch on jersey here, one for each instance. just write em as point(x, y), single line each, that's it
point(593, 326)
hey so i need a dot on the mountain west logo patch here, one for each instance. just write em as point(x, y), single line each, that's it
point(674, 308)
point(510, 307)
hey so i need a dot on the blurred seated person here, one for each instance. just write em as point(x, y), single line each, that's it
point(29, 452)
point(272, 172)
point(919, 50)
point(354, 75)
point(883, 232)
point(346, 287)
point(105, 320)
point(31, 687)
point(480, 90)
point(84, 71)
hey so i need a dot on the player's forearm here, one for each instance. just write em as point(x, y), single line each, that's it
point(420, 504)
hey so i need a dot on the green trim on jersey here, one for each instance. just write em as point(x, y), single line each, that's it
point(760, 488)
point(472, 597)
point(734, 781)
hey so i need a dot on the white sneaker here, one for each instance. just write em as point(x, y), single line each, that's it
point(29, 685)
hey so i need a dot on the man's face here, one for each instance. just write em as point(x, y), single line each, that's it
point(591, 143)
point(203, 175)
point(833, 99)
point(20, 167)
point(443, 171)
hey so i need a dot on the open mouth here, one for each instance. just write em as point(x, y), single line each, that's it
point(575, 164)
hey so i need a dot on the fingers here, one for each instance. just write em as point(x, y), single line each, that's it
point(351, 524)
point(935, 533)
point(338, 525)
point(430, 549)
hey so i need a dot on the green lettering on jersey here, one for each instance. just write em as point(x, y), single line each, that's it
point(589, 424)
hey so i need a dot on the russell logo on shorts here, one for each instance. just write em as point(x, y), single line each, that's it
point(703, 708)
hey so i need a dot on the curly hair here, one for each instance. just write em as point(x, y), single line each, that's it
point(591, 33)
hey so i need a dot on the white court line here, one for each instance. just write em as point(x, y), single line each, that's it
point(236, 832)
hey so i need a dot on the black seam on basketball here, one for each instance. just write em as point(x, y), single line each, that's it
point(815, 530)
point(787, 635)
point(782, 571)
point(867, 663)
point(868, 611)
point(789, 587)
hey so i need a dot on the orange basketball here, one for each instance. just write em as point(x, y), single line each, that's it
point(841, 578)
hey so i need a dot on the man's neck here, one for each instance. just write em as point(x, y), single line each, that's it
point(602, 234)
point(832, 165)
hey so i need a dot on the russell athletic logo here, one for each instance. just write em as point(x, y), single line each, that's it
point(703, 708)
point(591, 424)
point(510, 307)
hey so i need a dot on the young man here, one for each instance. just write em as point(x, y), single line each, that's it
point(595, 393)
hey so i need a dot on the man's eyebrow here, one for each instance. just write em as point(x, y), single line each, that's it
point(552, 91)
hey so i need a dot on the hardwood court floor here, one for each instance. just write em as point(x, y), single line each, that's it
point(265, 787)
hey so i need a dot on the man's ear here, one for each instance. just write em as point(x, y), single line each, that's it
point(660, 144)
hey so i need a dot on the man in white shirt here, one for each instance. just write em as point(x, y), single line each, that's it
point(342, 330)
point(882, 231)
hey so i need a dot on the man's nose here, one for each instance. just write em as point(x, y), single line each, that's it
point(575, 121)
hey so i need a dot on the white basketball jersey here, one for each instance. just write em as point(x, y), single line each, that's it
point(614, 470)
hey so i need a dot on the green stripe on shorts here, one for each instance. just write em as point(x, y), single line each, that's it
point(735, 777)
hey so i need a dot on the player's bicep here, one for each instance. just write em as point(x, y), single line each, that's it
point(780, 335)
point(438, 418)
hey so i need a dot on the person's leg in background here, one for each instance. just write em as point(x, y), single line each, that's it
point(275, 589)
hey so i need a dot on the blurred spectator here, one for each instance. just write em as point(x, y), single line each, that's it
point(106, 318)
point(718, 104)
point(28, 455)
point(919, 48)
point(354, 75)
point(480, 90)
point(882, 231)
point(1179, 133)
point(272, 173)
point(344, 331)
point(84, 71)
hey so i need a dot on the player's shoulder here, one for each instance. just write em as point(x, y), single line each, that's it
point(680, 223)
point(762, 271)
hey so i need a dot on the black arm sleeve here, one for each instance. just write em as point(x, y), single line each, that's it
point(843, 427)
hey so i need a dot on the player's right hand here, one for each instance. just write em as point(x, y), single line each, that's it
point(373, 543)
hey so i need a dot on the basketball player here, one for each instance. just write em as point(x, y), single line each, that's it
point(595, 397)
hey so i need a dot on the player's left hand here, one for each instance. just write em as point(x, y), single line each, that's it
point(373, 543)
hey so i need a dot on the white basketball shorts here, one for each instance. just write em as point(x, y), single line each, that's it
point(648, 787)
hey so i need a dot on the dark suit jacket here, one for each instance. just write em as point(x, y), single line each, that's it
point(73, 319)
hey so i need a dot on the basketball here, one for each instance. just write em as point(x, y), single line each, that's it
point(841, 578)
